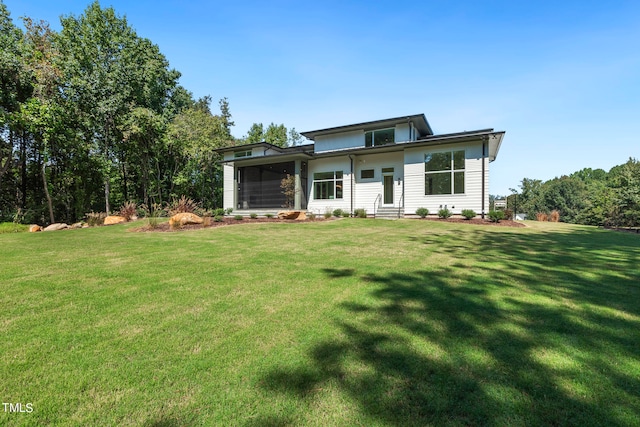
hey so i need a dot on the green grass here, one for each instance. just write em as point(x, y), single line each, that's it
point(351, 322)
point(12, 227)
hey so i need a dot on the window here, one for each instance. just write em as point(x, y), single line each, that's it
point(444, 173)
point(366, 173)
point(237, 154)
point(379, 137)
point(327, 185)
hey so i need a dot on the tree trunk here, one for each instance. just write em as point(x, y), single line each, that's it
point(46, 191)
point(107, 191)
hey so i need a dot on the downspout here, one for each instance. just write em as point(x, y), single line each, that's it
point(484, 150)
point(352, 183)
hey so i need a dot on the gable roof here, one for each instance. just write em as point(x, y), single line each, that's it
point(419, 121)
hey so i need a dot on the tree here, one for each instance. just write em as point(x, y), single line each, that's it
point(276, 135)
point(255, 134)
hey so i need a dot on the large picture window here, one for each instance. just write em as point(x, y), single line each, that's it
point(379, 137)
point(327, 185)
point(444, 173)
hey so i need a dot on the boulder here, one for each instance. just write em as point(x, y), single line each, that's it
point(298, 215)
point(55, 227)
point(34, 228)
point(184, 218)
point(114, 219)
point(76, 225)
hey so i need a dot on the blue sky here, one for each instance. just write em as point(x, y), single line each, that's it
point(561, 78)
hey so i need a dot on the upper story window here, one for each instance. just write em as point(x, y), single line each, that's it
point(444, 173)
point(379, 137)
point(238, 154)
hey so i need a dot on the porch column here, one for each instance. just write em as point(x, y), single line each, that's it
point(297, 202)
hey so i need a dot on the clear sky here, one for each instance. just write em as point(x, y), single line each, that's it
point(562, 78)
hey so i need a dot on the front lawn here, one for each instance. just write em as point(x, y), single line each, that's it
point(351, 322)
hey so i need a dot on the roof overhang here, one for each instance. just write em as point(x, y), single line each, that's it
point(418, 120)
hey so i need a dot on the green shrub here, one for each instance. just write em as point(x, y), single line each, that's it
point(218, 212)
point(218, 218)
point(496, 216)
point(422, 212)
point(13, 227)
point(360, 213)
point(338, 212)
point(228, 211)
point(468, 213)
point(238, 217)
point(311, 215)
point(269, 215)
point(253, 215)
point(328, 213)
point(444, 213)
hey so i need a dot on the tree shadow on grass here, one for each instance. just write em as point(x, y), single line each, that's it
point(519, 340)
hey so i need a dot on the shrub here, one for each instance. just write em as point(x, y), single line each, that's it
point(238, 217)
point(444, 213)
point(218, 212)
point(129, 211)
point(269, 215)
point(346, 214)
point(541, 216)
point(184, 204)
point(338, 212)
point(468, 213)
point(218, 218)
point(13, 227)
point(311, 215)
point(422, 212)
point(253, 215)
point(360, 213)
point(496, 216)
point(228, 211)
point(328, 213)
point(508, 214)
point(95, 218)
point(554, 216)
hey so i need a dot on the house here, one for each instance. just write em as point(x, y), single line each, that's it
point(391, 167)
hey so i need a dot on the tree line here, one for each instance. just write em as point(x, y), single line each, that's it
point(589, 196)
point(93, 116)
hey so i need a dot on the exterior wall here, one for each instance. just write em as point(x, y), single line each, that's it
point(229, 190)
point(339, 141)
point(367, 190)
point(255, 152)
point(472, 197)
point(342, 163)
point(403, 132)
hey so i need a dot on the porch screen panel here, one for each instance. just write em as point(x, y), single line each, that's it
point(260, 185)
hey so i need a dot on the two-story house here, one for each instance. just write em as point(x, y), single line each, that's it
point(393, 165)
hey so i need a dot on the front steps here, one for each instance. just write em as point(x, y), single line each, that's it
point(389, 213)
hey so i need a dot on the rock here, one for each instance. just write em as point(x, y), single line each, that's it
point(184, 218)
point(114, 219)
point(299, 215)
point(57, 226)
point(76, 225)
point(34, 228)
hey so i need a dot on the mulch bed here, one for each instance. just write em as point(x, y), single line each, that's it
point(164, 226)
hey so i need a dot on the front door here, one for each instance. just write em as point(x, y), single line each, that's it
point(387, 183)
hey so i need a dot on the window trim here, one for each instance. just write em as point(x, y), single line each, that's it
point(243, 153)
point(373, 137)
point(452, 171)
point(338, 183)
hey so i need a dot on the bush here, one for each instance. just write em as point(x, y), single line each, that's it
point(228, 211)
point(95, 219)
point(338, 212)
point(496, 216)
point(327, 213)
point(218, 218)
point(554, 216)
point(129, 211)
point(360, 213)
point(183, 204)
point(468, 213)
point(253, 215)
point(269, 215)
point(444, 213)
point(13, 227)
point(218, 212)
point(311, 215)
point(238, 217)
point(541, 216)
point(422, 212)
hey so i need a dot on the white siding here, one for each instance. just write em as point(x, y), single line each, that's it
point(471, 199)
point(341, 163)
point(402, 132)
point(228, 197)
point(339, 141)
point(368, 189)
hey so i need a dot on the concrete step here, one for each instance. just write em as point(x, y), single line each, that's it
point(389, 212)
